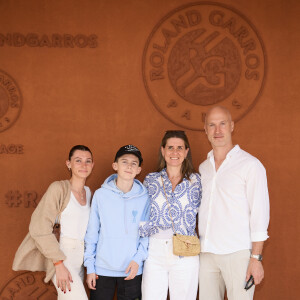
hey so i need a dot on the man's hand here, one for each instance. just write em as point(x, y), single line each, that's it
point(91, 280)
point(133, 267)
point(255, 268)
point(63, 278)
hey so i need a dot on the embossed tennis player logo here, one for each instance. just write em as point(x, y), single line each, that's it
point(199, 55)
point(10, 101)
point(29, 286)
point(198, 75)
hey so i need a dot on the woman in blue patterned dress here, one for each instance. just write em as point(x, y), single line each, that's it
point(163, 270)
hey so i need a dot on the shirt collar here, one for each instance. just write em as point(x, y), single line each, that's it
point(165, 177)
point(234, 150)
point(164, 174)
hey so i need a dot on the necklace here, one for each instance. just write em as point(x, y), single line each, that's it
point(175, 179)
point(81, 193)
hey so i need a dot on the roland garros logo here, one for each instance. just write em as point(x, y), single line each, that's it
point(203, 54)
point(10, 101)
point(29, 286)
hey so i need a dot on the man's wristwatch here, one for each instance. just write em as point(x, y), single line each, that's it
point(257, 256)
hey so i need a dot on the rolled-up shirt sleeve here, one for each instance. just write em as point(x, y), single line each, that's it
point(258, 199)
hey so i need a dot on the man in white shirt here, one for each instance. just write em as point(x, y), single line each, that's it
point(233, 215)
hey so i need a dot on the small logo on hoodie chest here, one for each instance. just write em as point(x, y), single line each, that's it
point(134, 214)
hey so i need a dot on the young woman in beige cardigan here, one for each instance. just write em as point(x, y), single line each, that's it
point(68, 200)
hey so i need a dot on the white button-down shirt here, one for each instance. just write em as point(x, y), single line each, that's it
point(234, 210)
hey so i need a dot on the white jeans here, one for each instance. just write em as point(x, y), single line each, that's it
point(226, 270)
point(73, 249)
point(163, 269)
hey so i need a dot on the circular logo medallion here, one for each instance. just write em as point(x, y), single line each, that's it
point(203, 54)
point(29, 286)
point(10, 101)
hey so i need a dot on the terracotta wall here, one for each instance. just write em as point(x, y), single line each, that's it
point(107, 73)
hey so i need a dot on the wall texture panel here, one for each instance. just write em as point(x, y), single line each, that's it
point(88, 72)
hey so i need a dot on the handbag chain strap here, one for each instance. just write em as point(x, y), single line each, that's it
point(168, 204)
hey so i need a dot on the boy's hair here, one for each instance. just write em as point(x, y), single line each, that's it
point(129, 149)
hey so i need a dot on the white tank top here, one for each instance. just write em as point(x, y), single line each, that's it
point(74, 219)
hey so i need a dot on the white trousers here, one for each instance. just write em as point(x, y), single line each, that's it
point(73, 249)
point(163, 270)
point(218, 272)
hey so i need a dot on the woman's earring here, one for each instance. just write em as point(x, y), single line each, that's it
point(69, 168)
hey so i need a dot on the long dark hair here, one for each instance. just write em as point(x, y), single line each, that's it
point(187, 165)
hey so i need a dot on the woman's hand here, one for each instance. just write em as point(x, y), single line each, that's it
point(91, 280)
point(63, 277)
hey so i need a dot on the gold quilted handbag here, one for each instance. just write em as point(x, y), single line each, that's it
point(185, 245)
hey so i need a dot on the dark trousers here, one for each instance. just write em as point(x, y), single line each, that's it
point(126, 289)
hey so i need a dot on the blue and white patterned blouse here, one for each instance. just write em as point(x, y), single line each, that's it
point(184, 203)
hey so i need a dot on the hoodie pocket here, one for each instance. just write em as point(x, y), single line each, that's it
point(116, 253)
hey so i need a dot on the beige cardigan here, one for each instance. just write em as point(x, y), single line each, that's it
point(40, 248)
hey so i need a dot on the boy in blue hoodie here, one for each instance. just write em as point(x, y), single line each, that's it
point(114, 251)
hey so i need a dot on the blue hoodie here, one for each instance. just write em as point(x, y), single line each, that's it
point(112, 239)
